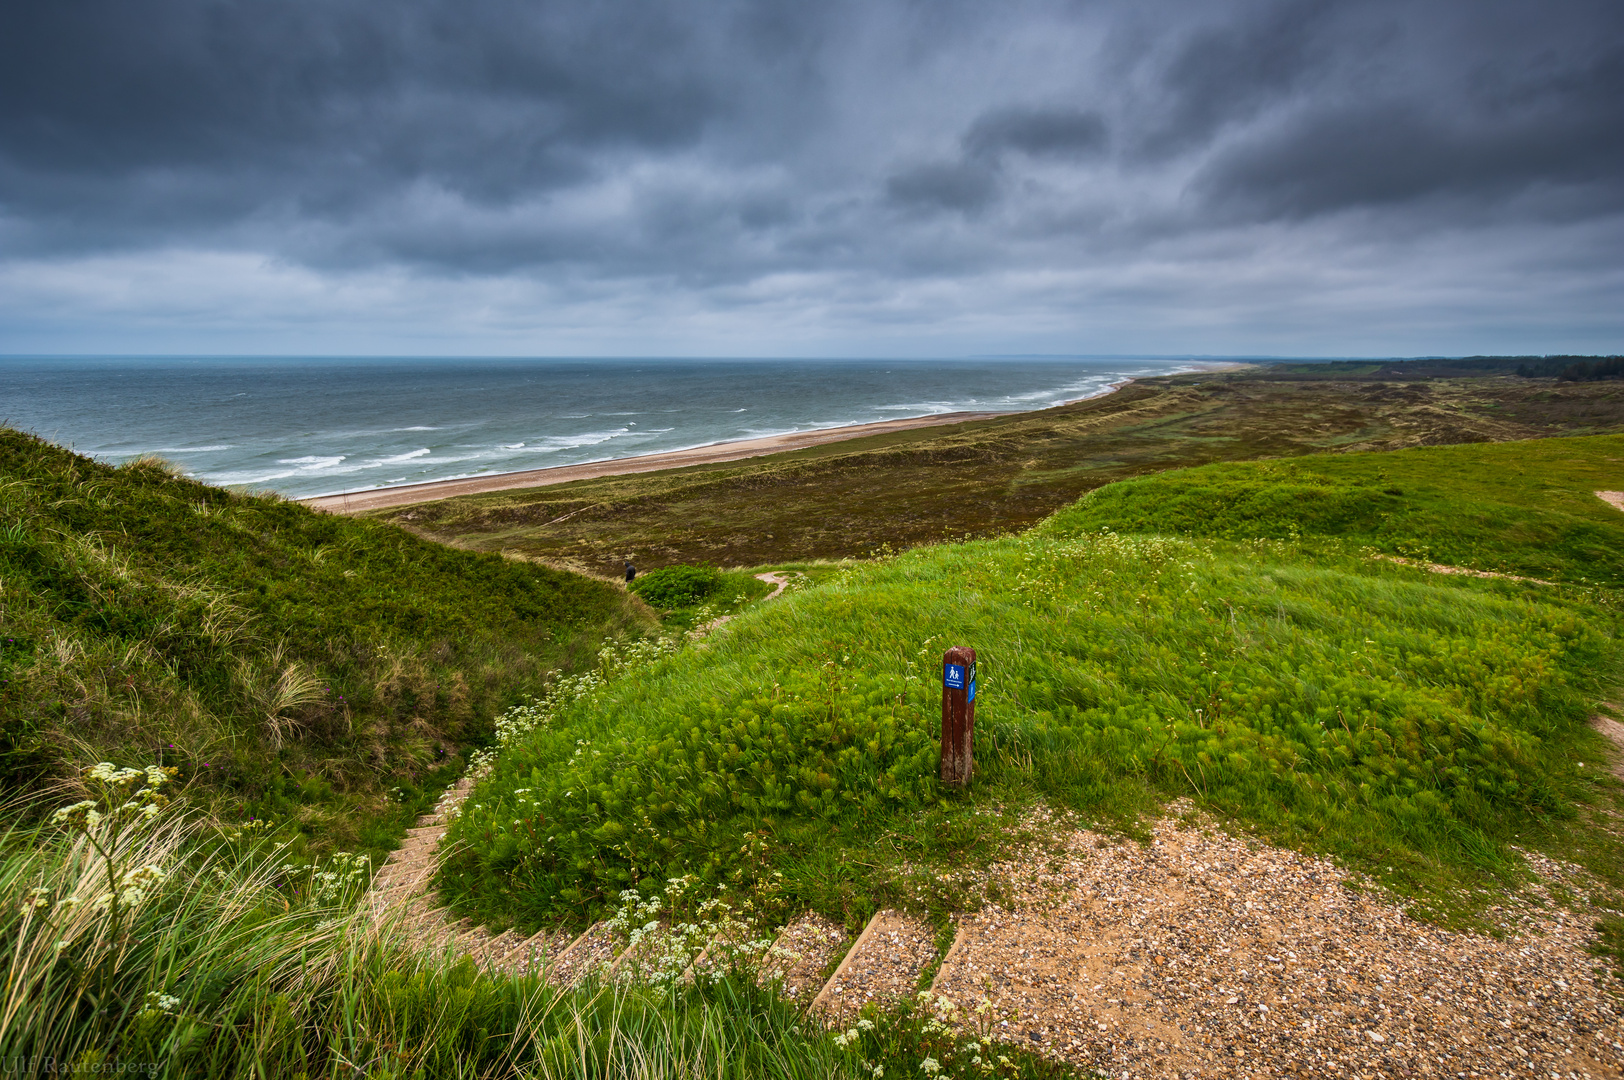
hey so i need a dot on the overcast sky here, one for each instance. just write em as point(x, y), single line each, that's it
point(876, 177)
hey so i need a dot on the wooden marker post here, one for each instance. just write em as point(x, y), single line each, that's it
point(958, 715)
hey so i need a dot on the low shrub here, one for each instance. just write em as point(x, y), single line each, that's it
point(678, 586)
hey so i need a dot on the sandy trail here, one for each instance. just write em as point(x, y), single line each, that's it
point(1612, 498)
point(1613, 731)
point(353, 502)
point(779, 583)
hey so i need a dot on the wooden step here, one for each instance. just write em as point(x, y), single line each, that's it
point(959, 938)
point(801, 954)
point(409, 853)
point(495, 947)
point(400, 888)
point(535, 953)
point(882, 968)
point(594, 951)
point(404, 876)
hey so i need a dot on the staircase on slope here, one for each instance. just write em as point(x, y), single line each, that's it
point(882, 967)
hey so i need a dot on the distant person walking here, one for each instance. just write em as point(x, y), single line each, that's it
point(631, 572)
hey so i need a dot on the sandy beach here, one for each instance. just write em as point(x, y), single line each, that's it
point(351, 502)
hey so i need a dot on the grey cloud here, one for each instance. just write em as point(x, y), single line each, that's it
point(954, 185)
point(325, 105)
point(1227, 73)
point(1055, 132)
point(970, 183)
point(1510, 136)
point(694, 145)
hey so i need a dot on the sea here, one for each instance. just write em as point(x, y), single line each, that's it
point(305, 426)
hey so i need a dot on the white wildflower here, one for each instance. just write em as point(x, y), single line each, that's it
point(81, 815)
point(160, 1003)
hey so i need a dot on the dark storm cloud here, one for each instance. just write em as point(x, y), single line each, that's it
point(1043, 132)
point(715, 149)
point(216, 109)
point(972, 181)
point(1228, 72)
point(1509, 133)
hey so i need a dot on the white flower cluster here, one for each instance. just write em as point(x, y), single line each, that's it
point(131, 889)
point(946, 1024)
point(660, 949)
point(159, 1004)
point(81, 815)
point(136, 885)
point(344, 873)
point(136, 793)
point(851, 1035)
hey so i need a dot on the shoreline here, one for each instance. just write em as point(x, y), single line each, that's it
point(363, 499)
point(352, 502)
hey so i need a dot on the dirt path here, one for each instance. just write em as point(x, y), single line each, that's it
point(1440, 568)
point(1613, 731)
point(779, 583)
point(376, 499)
point(1612, 498)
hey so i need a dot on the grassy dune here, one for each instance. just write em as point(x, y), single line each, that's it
point(306, 668)
point(1526, 508)
point(1412, 724)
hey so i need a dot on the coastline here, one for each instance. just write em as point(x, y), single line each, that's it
point(353, 502)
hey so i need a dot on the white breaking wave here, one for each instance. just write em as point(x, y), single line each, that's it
point(399, 458)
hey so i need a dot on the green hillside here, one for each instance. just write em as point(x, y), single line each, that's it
point(295, 665)
point(1525, 508)
point(1413, 724)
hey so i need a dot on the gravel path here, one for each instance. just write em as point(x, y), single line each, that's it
point(882, 968)
point(803, 952)
point(1207, 955)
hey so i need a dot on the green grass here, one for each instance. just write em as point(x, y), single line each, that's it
point(1410, 724)
point(321, 671)
point(1526, 508)
point(224, 962)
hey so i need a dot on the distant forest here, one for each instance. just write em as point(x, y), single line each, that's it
point(1573, 368)
point(1564, 368)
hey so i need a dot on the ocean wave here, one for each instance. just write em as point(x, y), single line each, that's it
point(927, 408)
point(400, 458)
point(194, 449)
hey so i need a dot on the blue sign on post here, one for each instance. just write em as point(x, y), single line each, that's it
point(958, 715)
